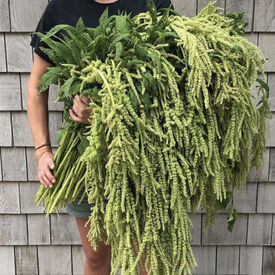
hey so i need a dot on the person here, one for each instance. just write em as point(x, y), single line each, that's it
point(68, 12)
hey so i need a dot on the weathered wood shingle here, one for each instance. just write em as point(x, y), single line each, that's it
point(54, 260)
point(242, 6)
point(32, 164)
point(7, 262)
point(4, 16)
point(222, 236)
point(266, 40)
point(14, 164)
point(28, 191)
point(10, 95)
point(13, 230)
point(78, 259)
point(269, 260)
point(26, 14)
point(38, 229)
point(245, 199)
point(64, 230)
point(196, 230)
point(227, 260)
point(19, 52)
point(264, 18)
point(9, 198)
point(259, 229)
point(186, 7)
point(3, 67)
point(255, 175)
point(5, 133)
point(251, 260)
point(26, 260)
point(271, 84)
point(206, 258)
point(266, 202)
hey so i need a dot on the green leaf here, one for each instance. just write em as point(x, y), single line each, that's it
point(48, 78)
point(59, 135)
point(80, 25)
point(121, 24)
point(67, 86)
point(264, 85)
point(223, 204)
point(146, 100)
point(133, 100)
point(152, 10)
point(231, 219)
point(81, 147)
point(104, 16)
point(119, 50)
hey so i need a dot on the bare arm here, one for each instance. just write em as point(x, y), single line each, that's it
point(37, 110)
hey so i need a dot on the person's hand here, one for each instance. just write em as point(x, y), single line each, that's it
point(45, 163)
point(81, 110)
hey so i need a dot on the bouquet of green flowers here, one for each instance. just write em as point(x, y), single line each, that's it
point(173, 127)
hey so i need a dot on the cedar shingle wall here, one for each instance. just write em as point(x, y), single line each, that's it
point(33, 244)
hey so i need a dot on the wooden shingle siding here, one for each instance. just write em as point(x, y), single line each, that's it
point(266, 44)
point(245, 199)
point(10, 93)
point(227, 259)
point(271, 83)
point(264, 19)
point(266, 201)
point(3, 67)
point(241, 6)
point(26, 260)
point(5, 134)
point(221, 235)
point(206, 259)
point(38, 229)
point(255, 175)
point(7, 262)
point(19, 52)
point(251, 260)
point(9, 198)
point(259, 229)
point(4, 16)
point(186, 7)
point(30, 243)
point(27, 198)
point(14, 164)
point(272, 165)
point(55, 260)
point(13, 229)
point(25, 14)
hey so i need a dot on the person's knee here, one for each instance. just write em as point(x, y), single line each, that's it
point(97, 261)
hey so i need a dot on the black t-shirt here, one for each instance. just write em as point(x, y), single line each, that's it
point(69, 11)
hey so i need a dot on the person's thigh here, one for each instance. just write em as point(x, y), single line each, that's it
point(103, 254)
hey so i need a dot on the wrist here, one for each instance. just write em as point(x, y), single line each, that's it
point(42, 150)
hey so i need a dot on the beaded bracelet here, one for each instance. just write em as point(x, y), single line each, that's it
point(47, 144)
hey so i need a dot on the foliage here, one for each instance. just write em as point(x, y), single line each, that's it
point(173, 127)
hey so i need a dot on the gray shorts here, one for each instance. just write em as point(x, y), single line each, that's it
point(82, 210)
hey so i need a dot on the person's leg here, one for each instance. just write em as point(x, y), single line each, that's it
point(97, 262)
point(141, 268)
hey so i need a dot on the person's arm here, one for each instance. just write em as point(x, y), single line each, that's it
point(37, 111)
